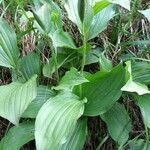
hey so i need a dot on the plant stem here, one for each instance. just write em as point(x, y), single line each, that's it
point(83, 60)
point(102, 142)
point(146, 133)
point(54, 55)
point(56, 63)
point(83, 54)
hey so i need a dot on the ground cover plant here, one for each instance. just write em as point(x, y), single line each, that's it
point(75, 74)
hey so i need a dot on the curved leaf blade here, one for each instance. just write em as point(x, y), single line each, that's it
point(71, 7)
point(50, 67)
point(77, 140)
point(56, 121)
point(100, 5)
point(132, 86)
point(17, 136)
point(141, 72)
point(144, 104)
point(103, 90)
point(62, 39)
point(70, 79)
point(9, 52)
point(30, 65)
point(100, 21)
point(43, 94)
point(48, 18)
point(15, 98)
point(118, 126)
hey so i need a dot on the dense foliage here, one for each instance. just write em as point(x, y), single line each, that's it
point(53, 92)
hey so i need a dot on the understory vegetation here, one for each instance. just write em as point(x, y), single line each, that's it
point(74, 74)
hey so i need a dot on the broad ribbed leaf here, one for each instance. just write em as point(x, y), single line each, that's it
point(78, 138)
point(118, 123)
point(141, 72)
point(30, 65)
point(71, 78)
point(17, 136)
point(103, 90)
point(9, 53)
point(100, 21)
point(146, 13)
point(144, 104)
point(43, 94)
point(56, 121)
point(15, 98)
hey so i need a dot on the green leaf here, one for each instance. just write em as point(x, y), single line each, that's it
point(78, 138)
point(15, 98)
point(141, 72)
point(17, 136)
point(103, 90)
point(30, 65)
point(100, 21)
point(71, 7)
point(62, 39)
point(132, 86)
point(100, 5)
point(146, 13)
point(43, 94)
point(123, 3)
point(106, 64)
point(48, 18)
point(9, 52)
point(39, 20)
point(71, 78)
point(56, 121)
point(80, 13)
point(88, 16)
point(93, 56)
point(144, 104)
point(139, 144)
point(118, 123)
point(50, 66)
